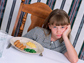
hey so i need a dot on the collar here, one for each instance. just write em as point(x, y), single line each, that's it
point(47, 40)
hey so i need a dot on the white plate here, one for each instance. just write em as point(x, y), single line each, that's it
point(39, 48)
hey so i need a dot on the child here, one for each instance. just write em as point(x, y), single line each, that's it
point(55, 34)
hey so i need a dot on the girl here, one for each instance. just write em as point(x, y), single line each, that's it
point(55, 34)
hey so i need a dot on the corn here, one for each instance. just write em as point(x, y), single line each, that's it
point(30, 44)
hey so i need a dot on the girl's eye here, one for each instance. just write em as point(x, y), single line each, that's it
point(62, 27)
point(54, 26)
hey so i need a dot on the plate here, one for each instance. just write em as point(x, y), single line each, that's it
point(39, 48)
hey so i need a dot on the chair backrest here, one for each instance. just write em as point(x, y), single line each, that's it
point(39, 11)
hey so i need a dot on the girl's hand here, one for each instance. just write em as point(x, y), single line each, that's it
point(67, 31)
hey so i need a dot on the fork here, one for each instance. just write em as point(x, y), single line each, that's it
point(9, 45)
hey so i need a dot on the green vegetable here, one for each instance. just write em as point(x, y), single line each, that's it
point(29, 50)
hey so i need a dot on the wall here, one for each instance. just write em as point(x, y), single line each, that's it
point(74, 8)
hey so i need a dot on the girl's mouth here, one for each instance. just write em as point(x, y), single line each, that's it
point(58, 35)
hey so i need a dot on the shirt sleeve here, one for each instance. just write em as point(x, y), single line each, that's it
point(31, 34)
point(63, 50)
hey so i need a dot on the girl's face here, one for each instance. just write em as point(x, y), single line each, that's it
point(57, 31)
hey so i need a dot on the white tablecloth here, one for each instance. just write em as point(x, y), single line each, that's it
point(13, 55)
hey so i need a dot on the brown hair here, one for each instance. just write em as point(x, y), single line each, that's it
point(56, 17)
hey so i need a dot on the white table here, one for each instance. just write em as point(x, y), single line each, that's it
point(12, 55)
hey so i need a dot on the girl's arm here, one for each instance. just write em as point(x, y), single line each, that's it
point(71, 53)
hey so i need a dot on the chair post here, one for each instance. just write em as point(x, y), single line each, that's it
point(17, 19)
point(23, 1)
point(22, 25)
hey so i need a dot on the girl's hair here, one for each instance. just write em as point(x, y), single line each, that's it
point(56, 17)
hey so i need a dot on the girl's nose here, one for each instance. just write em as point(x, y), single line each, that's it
point(58, 31)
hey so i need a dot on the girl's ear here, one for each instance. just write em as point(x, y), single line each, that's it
point(49, 26)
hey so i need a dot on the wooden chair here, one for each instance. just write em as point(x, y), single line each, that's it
point(39, 12)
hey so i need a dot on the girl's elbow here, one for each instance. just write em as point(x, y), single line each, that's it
point(75, 61)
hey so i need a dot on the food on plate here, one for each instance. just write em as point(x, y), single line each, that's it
point(16, 42)
point(23, 47)
point(29, 50)
point(19, 45)
point(30, 44)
